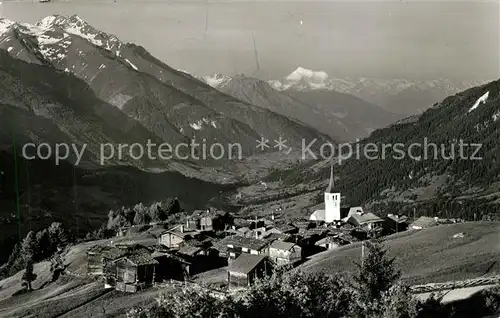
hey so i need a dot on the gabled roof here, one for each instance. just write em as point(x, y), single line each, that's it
point(301, 224)
point(284, 228)
point(397, 218)
point(276, 236)
point(189, 250)
point(139, 258)
point(106, 251)
point(424, 221)
point(331, 184)
point(245, 263)
point(354, 210)
point(248, 242)
point(318, 215)
point(187, 232)
point(365, 218)
point(331, 239)
point(280, 245)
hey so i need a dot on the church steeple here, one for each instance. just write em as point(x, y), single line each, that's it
point(331, 184)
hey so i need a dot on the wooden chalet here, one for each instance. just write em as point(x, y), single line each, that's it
point(244, 270)
point(365, 221)
point(285, 253)
point(135, 271)
point(238, 245)
point(174, 237)
point(395, 223)
point(99, 256)
point(170, 266)
point(331, 242)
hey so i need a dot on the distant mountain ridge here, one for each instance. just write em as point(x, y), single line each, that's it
point(395, 95)
point(403, 96)
point(342, 116)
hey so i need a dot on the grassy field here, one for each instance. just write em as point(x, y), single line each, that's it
point(47, 299)
point(430, 255)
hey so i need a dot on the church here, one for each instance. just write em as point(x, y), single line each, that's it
point(334, 213)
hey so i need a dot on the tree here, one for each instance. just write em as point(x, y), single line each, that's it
point(116, 222)
point(43, 240)
point(28, 275)
point(140, 217)
point(141, 214)
point(58, 235)
point(172, 207)
point(56, 266)
point(29, 247)
point(156, 212)
point(376, 275)
point(398, 302)
point(298, 294)
point(191, 302)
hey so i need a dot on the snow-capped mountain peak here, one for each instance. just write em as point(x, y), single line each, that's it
point(5, 25)
point(52, 37)
point(216, 80)
point(305, 74)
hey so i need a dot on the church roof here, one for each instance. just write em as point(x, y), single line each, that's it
point(331, 184)
point(318, 215)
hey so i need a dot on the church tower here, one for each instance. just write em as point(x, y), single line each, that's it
point(332, 201)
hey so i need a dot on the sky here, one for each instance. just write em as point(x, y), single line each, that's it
point(382, 39)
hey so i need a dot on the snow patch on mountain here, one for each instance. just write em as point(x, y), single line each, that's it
point(195, 126)
point(47, 22)
point(480, 100)
point(496, 115)
point(119, 100)
point(76, 30)
point(198, 125)
point(46, 40)
point(216, 81)
point(132, 65)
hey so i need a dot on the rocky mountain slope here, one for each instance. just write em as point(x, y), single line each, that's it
point(361, 117)
point(341, 116)
point(40, 105)
point(171, 104)
point(401, 96)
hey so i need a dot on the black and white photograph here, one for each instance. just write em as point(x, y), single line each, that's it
point(250, 158)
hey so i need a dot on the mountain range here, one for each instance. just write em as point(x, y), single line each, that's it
point(341, 116)
point(170, 104)
point(399, 96)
